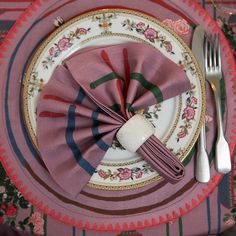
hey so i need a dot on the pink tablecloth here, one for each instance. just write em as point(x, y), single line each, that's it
point(17, 212)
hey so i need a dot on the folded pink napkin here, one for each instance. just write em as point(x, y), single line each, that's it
point(88, 100)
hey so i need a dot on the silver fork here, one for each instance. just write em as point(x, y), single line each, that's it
point(213, 75)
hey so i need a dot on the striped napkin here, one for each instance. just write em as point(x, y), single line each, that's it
point(91, 96)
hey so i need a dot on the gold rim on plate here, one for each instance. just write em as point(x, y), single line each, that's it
point(132, 13)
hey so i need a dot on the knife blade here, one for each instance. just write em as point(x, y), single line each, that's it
point(202, 170)
point(198, 46)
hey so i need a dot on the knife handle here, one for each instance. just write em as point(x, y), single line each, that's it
point(202, 172)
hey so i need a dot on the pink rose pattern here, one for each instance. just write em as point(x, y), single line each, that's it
point(168, 23)
point(149, 33)
point(36, 219)
point(230, 221)
point(181, 26)
point(193, 100)
point(102, 174)
point(230, 217)
point(51, 51)
point(168, 47)
point(12, 203)
point(139, 174)
point(38, 230)
point(124, 174)
point(140, 25)
point(11, 211)
point(81, 31)
point(188, 115)
point(62, 45)
point(182, 133)
point(38, 222)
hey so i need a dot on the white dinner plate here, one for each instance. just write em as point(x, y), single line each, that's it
point(177, 120)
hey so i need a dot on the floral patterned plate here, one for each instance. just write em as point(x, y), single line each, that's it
point(177, 120)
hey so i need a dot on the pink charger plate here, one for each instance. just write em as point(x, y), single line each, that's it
point(96, 209)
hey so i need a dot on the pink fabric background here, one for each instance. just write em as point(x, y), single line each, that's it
point(198, 222)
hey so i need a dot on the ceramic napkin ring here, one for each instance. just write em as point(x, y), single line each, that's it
point(135, 132)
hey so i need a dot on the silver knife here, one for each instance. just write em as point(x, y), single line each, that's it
point(202, 169)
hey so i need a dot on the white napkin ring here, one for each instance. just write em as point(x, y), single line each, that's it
point(135, 132)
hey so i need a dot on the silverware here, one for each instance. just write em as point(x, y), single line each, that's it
point(213, 76)
point(202, 169)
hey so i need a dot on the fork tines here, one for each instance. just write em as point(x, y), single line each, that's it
point(212, 45)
